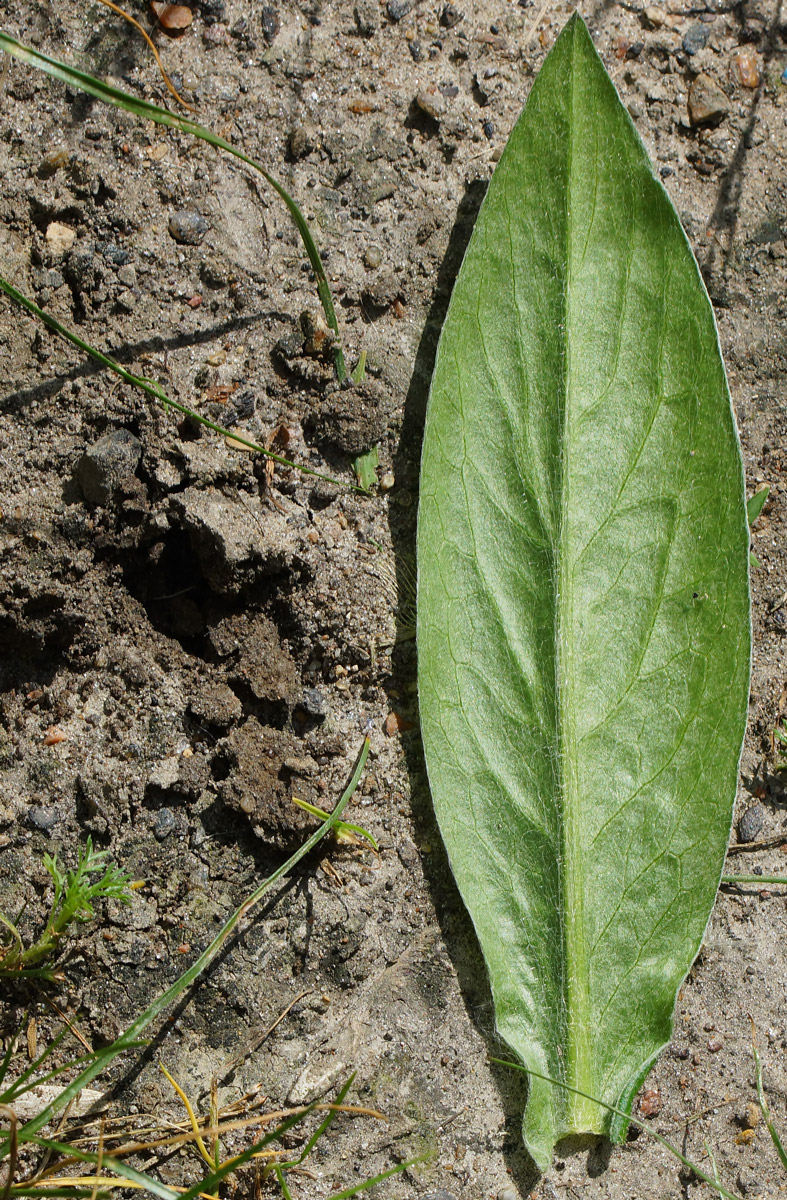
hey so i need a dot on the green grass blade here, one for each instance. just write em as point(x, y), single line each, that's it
point(128, 1039)
point(323, 1126)
point(155, 389)
point(107, 1163)
point(754, 879)
point(629, 1120)
point(151, 112)
point(368, 1183)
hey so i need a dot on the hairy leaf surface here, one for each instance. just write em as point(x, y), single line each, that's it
point(583, 606)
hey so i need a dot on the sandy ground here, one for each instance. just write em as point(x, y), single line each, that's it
point(211, 641)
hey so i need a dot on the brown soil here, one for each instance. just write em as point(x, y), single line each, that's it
point(211, 642)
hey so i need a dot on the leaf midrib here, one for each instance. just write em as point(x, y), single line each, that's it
point(581, 1114)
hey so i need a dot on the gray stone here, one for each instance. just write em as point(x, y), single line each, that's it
point(398, 9)
point(42, 819)
point(187, 228)
point(314, 704)
point(107, 465)
point(695, 39)
point(164, 823)
point(270, 23)
point(751, 823)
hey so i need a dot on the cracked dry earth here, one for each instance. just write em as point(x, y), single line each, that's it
point(187, 640)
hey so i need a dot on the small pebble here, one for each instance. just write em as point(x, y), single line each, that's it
point(416, 51)
point(372, 257)
point(749, 1118)
point(507, 1193)
point(747, 70)
point(489, 130)
point(42, 819)
point(715, 1044)
point(707, 103)
point(314, 704)
point(387, 481)
point(695, 39)
point(751, 823)
point(398, 9)
point(431, 103)
point(270, 23)
point(450, 16)
point(163, 824)
point(650, 1102)
point(301, 141)
point(655, 17)
point(187, 228)
point(105, 465)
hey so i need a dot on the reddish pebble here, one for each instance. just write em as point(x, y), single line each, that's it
point(399, 310)
point(622, 47)
point(53, 736)
point(714, 1045)
point(748, 71)
point(172, 17)
point(194, 301)
point(395, 723)
point(650, 1102)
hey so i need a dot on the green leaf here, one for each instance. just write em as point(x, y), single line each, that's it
point(583, 605)
point(754, 504)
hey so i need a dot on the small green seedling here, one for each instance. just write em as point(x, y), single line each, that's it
point(780, 736)
point(95, 878)
point(344, 831)
point(365, 468)
point(754, 506)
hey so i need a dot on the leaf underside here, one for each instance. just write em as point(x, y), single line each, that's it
point(583, 603)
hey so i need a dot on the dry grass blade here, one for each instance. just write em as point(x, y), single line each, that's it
point(133, 21)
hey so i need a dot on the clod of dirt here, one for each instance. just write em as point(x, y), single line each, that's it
point(366, 18)
point(224, 536)
point(707, 103)
point(107, 467)
point(215, 704)
point(266, 768)
point(318, 339)
point(302, 140)
point(59, 237)
point(351, 419)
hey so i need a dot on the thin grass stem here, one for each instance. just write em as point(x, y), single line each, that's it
point(151, 112)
